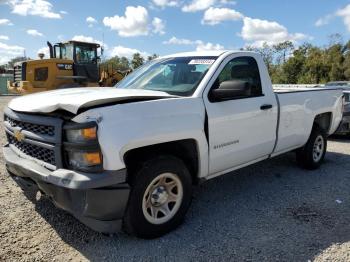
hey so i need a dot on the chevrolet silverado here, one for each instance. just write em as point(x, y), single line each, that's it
point(128, 156)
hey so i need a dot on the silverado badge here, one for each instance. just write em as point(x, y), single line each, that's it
point(19, 135)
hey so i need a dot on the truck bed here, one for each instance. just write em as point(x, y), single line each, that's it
point(297, 109)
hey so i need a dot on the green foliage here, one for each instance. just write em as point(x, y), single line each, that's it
point(137, 60)
point(151, 57)
point(307, 64)
point(119, 63)
point(123, 63)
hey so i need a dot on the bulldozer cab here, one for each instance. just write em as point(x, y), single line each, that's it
point(84, 56)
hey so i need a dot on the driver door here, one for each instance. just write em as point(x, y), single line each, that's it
point(241, 129)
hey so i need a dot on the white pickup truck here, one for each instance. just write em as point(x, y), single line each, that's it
point(128, 156)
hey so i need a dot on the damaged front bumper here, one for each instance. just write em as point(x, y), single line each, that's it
point(96, 199)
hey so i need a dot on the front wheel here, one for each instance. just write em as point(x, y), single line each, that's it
point(312, 154)
point(161, 192)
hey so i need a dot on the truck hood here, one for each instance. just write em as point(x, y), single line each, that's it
point(73, 99)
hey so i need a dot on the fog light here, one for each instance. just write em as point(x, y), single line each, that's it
point(80, 160)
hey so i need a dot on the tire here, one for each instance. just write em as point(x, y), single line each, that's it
point(312, 154)
point(157, 181)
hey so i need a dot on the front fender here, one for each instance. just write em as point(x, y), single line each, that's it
point(124, 127)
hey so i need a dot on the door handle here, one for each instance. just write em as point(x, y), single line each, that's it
point(266, 107)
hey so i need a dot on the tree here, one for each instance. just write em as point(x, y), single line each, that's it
point(265, 51)
point(119, 63)
point(151, 57)
point(283, 51)
point(13, 61)
point(137, 60)
point(124, 63)
point(334, 60)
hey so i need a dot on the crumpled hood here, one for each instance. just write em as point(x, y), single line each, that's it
point(73, 99)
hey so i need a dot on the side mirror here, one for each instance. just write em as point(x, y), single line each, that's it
point(230, 90)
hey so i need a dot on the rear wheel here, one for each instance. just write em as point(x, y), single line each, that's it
point(161, 191)
point(312, 154)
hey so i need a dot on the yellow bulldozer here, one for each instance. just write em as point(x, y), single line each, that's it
point(71, 64)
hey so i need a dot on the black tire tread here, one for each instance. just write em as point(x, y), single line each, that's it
point(304, 154)
point(134, 222)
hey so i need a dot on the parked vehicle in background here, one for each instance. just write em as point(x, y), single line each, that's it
point(71, 64)
point(344, 128)
point(129, 156)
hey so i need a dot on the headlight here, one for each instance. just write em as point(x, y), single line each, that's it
point(81, 135)
point(82, 150)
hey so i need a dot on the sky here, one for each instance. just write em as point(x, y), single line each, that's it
point(167, 26)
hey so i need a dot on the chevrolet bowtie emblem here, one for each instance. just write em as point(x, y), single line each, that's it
point(19, 135)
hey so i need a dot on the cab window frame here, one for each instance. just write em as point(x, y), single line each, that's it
point(214, 84)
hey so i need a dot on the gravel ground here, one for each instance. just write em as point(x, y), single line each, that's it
point(272, 211)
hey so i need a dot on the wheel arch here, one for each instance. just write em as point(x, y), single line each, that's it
point(186, 149)
point(324, 121)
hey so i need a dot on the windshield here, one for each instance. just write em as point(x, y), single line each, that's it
point(85, 54)
point(178, 76)
point(67, 51)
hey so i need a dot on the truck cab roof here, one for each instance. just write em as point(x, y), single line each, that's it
point(216, 53)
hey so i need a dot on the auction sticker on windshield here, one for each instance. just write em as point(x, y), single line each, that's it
point(201, 62)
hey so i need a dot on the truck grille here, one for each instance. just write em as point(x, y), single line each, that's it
point(35, 128)
point(35, 136)
point(37, 152)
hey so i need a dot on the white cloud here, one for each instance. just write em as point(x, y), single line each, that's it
point(63, 12)
point(88, 39)
point(208, 46)
point(5, 21)
point(34, 32)
point(60, 38)
point(213, 16)
point(33, 7)
point(8, 52)
point(164, 3)
point(133, 23)
point(345, 14)
point(178, 41)
point(228, 2)
point(198, 5)
point(158, 26)
point(257, 31)
point(323, 20)
point(200, 45)
point(4, 37)
point(44, 50)
point(125, 51)
point(91, 20)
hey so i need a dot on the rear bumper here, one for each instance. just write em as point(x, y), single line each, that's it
point(97, 200)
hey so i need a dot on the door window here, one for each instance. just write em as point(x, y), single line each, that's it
point(85, 54)
point(67, 51)
point(242, 69)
